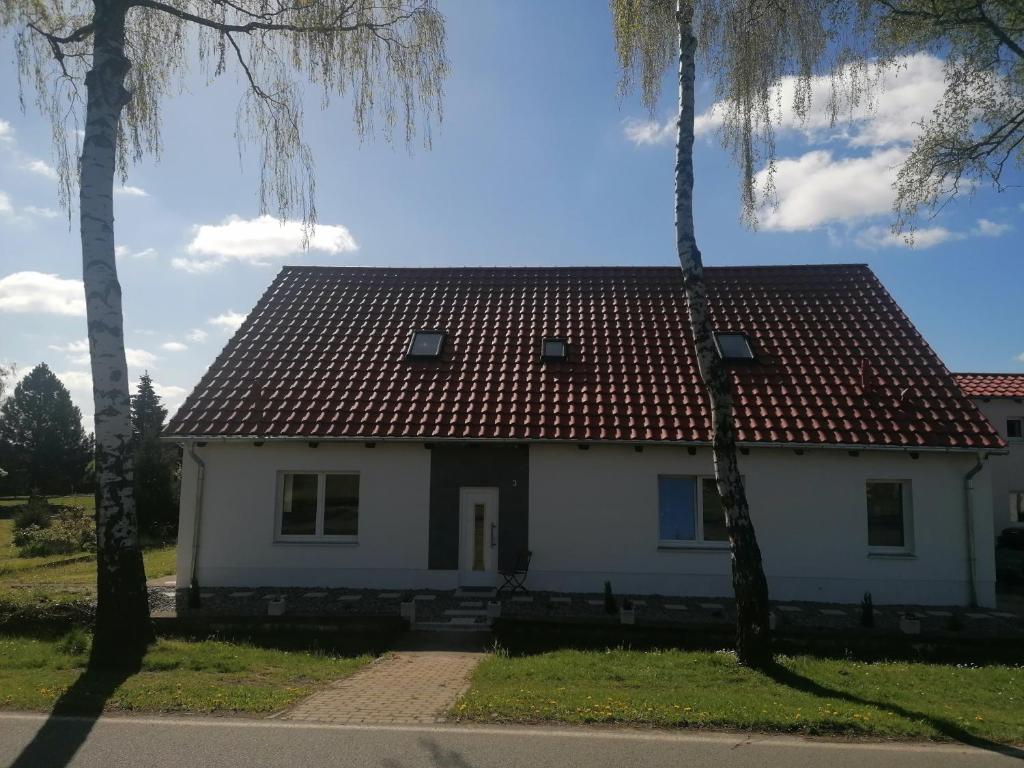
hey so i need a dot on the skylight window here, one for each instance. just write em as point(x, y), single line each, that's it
point(734, 346)
point(554, 349)
point(426, 344)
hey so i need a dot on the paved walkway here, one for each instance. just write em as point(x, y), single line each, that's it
point(416, 683)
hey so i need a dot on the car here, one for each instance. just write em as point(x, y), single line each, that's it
point(1010, 554)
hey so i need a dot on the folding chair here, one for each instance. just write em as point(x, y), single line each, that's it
point(515, 577)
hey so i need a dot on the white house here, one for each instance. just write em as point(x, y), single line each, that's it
point(1000, 397)
point(423, 428)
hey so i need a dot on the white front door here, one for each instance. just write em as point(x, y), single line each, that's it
point(478, 536)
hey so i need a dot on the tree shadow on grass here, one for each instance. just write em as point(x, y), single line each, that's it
point(950, 730)
point(75, 713)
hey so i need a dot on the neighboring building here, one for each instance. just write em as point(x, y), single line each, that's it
point(1000, 396)
point(420, 428)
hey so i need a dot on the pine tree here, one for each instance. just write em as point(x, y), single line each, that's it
point(155, 463)
point(46, 448)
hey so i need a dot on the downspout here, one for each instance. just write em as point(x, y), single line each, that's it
point(193, 583)
point(969, 520)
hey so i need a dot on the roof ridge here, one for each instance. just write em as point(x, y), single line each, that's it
point(988, 373)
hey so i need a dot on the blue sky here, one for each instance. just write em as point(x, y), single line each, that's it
point(537, 162)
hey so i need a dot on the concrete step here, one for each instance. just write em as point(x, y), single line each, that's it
point(476, 593)
point(449, 626)
point(466, 612)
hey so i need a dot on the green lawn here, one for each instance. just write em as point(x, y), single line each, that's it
point(176, 676)
point(803, 694)
point(60, 577)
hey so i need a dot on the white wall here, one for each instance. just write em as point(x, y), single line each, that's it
point(237, 543)
point(1007, 471)
point(594, 516)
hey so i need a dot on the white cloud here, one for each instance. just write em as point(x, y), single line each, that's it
point(816, 189)
point(5, 204)
point(124, 252)
point(230, 320)
point(169, 391)
point(6, 131)
point(129, 191)
point(43, 293)
point(76, 381)
point(139, 358)
point(43, 213)
point(910, 90)
point(174, 346)
point(650, 132)
point(40, 167)
point(197, 335)
point(988, 228)
point(258, 241)
point(883, 237)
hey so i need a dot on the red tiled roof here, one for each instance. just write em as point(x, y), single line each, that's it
point(323, 355)
point(991, 384)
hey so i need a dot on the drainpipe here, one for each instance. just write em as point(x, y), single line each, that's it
point(193, 584)
point(969, 519)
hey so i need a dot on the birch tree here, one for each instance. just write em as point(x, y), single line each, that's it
point(104, 67)
point(746, 46)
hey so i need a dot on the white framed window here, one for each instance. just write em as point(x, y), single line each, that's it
point(690, 512)
point(1015, 429)
point(890, 517)
point(317, 506)
point(1016, 507)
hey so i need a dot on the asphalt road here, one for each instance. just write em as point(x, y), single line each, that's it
point(111, 742)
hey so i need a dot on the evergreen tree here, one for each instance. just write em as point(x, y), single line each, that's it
point(155, 463)
point(45, 447)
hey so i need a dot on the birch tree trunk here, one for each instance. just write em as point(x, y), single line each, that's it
point(752, 637)
point(122, 614)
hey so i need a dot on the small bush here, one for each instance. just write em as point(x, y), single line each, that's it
point(70, 532)
point(75, 643)
point(867, 611)
point(611, 605)
point(37, 512)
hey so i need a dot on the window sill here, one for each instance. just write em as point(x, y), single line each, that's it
point(899, 555)
point(318, 541)
point(693, 546)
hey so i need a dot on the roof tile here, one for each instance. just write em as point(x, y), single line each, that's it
point(323, 354)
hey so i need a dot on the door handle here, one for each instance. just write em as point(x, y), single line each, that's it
point(494, 541)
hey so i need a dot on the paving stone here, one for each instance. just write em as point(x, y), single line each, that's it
point(425, 597)
point(388, 596)
point(675, 607)
point(560, 599)
point(272, 597)
point(711, 606)
point(595, 602)
point(789, 608)
point(978, 616)
point(522, 599)
point(939, 613)
point(315, 595)
point(349, 598)
point(406, 687)
point(471, 604)
point(832, 612)
point(170, 583)
point(465, 612)
point(241, 594)
point(1004, 615)
point(463, 620)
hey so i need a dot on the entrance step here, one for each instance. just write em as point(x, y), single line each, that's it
point(476, 593)
point(465, 624)
point(466, 612)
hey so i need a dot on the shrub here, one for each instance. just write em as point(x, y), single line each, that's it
point(37, 512)
point(867, 611)
point(75, 643)
point(71, 531)
point(611, 605)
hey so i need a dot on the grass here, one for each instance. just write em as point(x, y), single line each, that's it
point(802, 694)
point(60, 578)
point(177, 675)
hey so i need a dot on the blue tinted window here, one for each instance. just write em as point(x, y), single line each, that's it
point(677, 508)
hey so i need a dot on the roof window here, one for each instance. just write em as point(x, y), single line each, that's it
point(554, 349)
point(426, 344)
point(734, 346)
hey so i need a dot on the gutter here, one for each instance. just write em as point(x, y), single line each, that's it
point(969, 522)
point(193, 583)
point(184, 439)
